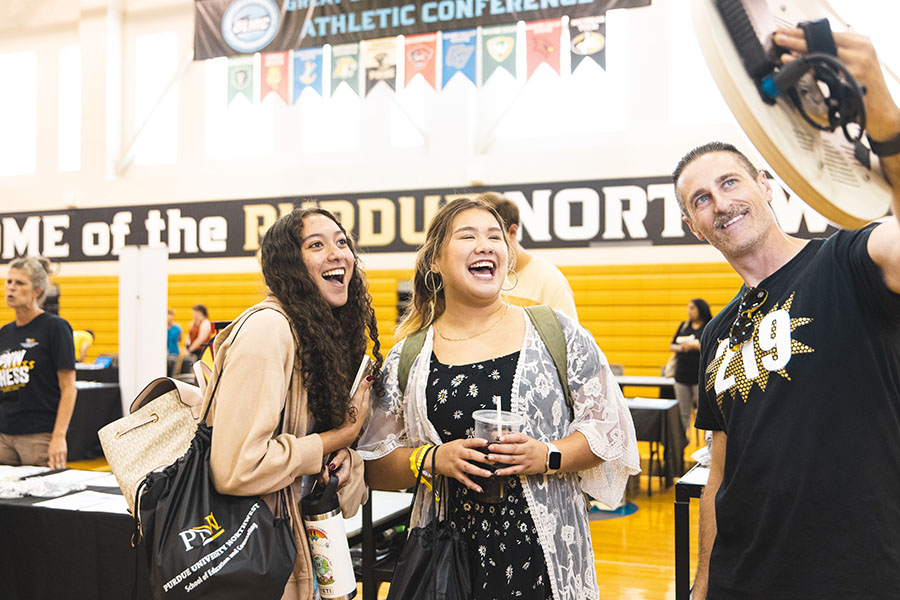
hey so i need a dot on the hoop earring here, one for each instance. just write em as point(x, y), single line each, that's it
point(513, 286)
point(434, 289)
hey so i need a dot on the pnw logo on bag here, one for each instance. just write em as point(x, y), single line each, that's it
point(203, 534)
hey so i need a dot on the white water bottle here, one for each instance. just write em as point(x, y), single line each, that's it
point(327, 537)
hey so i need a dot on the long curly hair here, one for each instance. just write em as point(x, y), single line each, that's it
point(332, 341)
point(427, 302)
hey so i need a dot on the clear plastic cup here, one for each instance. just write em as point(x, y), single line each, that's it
point(490, 425)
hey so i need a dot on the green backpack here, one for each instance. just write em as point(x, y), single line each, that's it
point(548, 328)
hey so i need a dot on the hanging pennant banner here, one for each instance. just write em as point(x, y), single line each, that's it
point(240, 78)
point(542, 42)
point(307, 71)
point(228, 27)
point(588, 39)
point(345, 66)
point(381, 63)
point(459, 54)
point(498, 49)
point(420, 51)
point(274, 75)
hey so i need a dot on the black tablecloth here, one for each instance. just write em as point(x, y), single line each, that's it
point(89, 372)
point(663, 426)
point(96, 405)
point(55, 554)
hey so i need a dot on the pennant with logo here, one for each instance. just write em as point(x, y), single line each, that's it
point(307, 71)
point(381, 63)
point(588, 39)
point(542, 39)
point(345, 66)
point(498, 49)
point(240, 77)
point(459, 54)
point(274, 75)
point(420, 51)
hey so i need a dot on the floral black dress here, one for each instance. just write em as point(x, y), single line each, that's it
point(508, 561)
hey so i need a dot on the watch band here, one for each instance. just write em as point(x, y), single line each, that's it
point(889, 147)
point(554, 459)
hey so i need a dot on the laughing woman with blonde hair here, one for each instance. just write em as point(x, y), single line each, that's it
point(479, 351)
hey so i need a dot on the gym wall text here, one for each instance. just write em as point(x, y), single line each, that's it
point(639, 211)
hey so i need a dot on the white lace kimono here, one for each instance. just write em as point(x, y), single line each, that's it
point(556, 502)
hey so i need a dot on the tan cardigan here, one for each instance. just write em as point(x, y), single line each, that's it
point(249, 455)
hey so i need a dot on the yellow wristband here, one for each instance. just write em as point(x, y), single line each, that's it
point(417, 457)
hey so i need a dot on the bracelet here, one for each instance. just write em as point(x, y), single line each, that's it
point(416, 459)
point(889, 147)
point(415, 463)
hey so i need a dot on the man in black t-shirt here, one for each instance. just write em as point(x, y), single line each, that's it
point(37, 373)
point(800, 381)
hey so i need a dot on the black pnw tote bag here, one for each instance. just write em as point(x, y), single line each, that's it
point(203, 544)
point(434, 563)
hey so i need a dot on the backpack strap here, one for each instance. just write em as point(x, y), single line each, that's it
point(550, 331)
point(411, 348)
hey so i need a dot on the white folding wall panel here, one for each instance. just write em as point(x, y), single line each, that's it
point(143, 289)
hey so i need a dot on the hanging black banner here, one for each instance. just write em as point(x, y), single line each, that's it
point(228, 27)
point(571, 214)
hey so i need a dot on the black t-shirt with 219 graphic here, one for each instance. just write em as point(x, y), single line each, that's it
point(809, 505)
point(30, 357)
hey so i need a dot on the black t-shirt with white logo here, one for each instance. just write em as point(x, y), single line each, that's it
point(30, 357)
point(809, 505)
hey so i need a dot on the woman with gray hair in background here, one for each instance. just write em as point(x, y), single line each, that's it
point(37, 372)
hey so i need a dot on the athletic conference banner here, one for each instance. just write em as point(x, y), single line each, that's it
point(227, 27)
point(576, 214)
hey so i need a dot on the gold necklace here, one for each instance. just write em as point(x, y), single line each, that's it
point(474, 335)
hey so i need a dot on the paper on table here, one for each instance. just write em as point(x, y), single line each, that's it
point(108, 480)
point(85, 500)
point(74, 476)
point(115, 504)
point(13, 472)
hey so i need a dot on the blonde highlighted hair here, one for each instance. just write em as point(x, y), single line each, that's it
point(38, 270)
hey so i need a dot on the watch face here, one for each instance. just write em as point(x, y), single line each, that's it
point(554, 460)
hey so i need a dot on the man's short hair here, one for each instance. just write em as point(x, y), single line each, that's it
point(506, 208)
point(699, 151)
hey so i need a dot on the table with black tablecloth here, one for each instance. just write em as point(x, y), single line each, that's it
point(96, 405)
point(689, 486)
point(659, 422)
point(50, 553)
point(95, 372)
point(53, 553)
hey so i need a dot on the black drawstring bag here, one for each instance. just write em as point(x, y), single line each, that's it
point(434, 563)
point(203, 544)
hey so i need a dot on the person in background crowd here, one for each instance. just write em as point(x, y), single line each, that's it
point(174, 350)
point(37, 372)
point(801, 379)
point(83, 339)
point(51, 301)
point(200, 333)
point(686, 346)
point(534, 280)
point(283, 413)
point(479, 351)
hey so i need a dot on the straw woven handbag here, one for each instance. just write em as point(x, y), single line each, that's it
point(159, 430)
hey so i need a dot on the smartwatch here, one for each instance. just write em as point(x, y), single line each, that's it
point(554, 459)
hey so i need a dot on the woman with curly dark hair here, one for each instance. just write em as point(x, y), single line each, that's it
point(283, 414)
